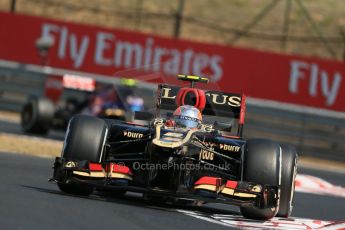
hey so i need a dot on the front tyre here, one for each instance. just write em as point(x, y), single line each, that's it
point(84, 140)
point(289, 171)
point(261, 165)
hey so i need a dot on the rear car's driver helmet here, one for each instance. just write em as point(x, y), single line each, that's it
point(187, 116)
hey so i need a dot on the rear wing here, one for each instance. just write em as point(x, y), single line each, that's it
point(78, 83)
point(230, 105)
point(55, 84)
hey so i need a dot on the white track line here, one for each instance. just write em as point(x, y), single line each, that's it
point(240, 222)
point(304, 183)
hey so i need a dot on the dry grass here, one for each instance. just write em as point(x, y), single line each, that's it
point(29, 145)
point(36, 146)
point(9, 116)
point(321, 164)
point(328, 15)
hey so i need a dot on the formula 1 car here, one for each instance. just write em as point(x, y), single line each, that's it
point(78, 95)
point(178, 157)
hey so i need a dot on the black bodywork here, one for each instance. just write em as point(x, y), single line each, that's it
point(171, 172)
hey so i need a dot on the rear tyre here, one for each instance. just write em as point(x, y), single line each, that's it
point(289, 171)
point(84, 140)
point(36, 115)
point(261, 164)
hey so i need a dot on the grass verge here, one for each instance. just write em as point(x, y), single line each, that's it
point(35, 146)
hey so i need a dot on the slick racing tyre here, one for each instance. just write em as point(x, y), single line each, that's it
point(261, 164)
point(84, 140)
point(289, 171)
point(36, 115)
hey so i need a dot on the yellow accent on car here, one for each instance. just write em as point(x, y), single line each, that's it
point(91, 174)
point(228, 191)
point(120, 176)
point(180, 142)
point(257, 188)
point(128, 81)
point(103, 175)
point(206, 187)
point(114, 112)
point(192, 78)
point(247, 195)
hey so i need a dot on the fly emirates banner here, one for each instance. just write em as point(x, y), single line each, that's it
point(292, 79)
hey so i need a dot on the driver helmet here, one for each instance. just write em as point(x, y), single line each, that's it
point(187, 116)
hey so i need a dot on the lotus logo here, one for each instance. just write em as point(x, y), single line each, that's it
point(217, 99)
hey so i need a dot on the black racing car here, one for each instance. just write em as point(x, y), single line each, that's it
point(40, 114)
point(176, 157)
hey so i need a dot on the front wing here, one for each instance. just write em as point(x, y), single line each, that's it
point(238, 193)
